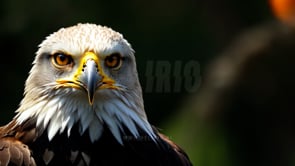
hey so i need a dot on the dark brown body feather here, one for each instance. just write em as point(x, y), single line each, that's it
point(21, 145)
point(12, 150)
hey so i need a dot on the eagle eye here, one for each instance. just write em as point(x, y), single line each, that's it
point(61, 60)
point(113, 61)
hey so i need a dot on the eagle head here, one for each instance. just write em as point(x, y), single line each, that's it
point(84, 75)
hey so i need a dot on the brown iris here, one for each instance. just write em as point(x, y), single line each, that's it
point(61, 60)
point(113, 61)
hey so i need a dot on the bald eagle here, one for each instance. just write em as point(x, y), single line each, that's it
point(83, 105)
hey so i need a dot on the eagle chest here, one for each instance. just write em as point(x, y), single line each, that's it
point(79, 150)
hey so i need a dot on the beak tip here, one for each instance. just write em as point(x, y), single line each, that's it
point(90, 98)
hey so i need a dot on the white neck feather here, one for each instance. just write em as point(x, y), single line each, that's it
point(59, 112)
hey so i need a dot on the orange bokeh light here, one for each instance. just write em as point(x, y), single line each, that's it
point(284, 10)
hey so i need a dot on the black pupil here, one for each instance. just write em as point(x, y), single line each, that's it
point(113, 58)
point(62, 57)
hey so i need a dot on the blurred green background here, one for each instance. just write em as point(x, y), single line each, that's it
point(158, 30)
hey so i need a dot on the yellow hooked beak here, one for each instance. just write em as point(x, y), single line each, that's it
point(89, 77)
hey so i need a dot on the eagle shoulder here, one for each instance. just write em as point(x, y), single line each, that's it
point(12, 150)
point(175, 151)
